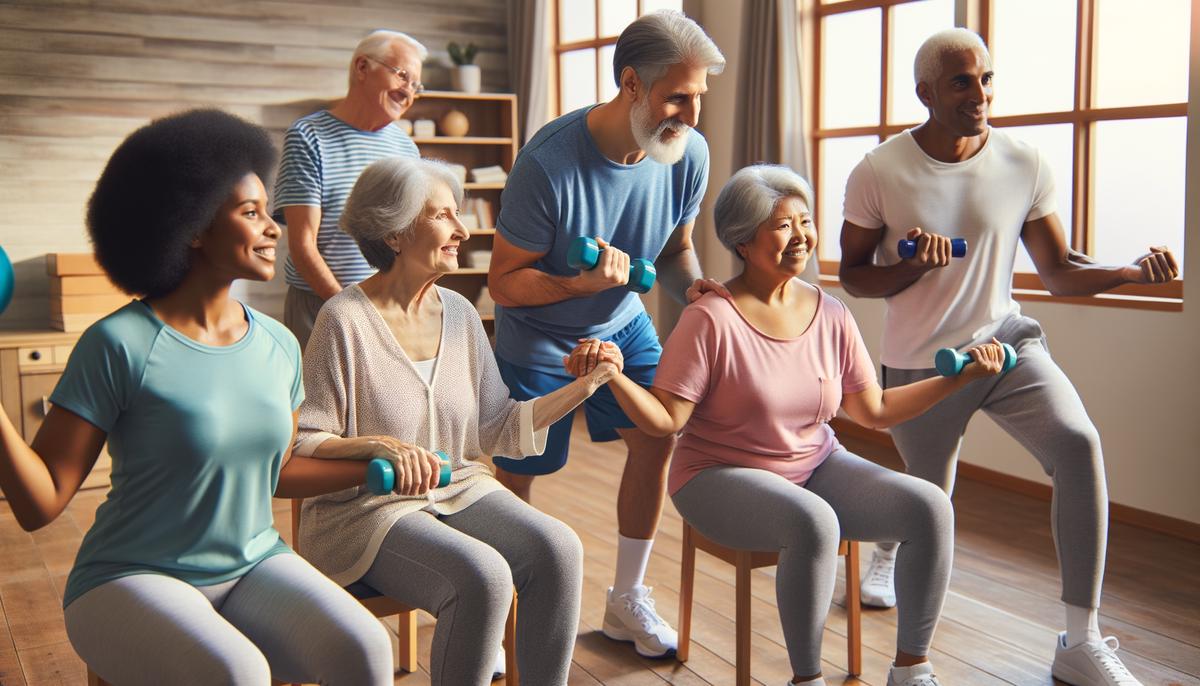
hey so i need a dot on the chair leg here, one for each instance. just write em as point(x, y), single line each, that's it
point(407, 631)
point(94, 680)
point(511, 677)
point(742, 625)
point(853, 611)
point(687, 577)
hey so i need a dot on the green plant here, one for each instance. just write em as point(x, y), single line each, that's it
point(460, 55)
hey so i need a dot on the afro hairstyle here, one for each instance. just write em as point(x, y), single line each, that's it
point(162, 188)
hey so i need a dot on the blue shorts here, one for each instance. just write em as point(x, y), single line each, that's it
point(640, 347)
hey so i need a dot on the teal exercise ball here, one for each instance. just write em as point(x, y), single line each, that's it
point(6, 280)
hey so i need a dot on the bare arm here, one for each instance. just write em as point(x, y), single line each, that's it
point(1067, 272)
point(303, 222)
point(40, 480)
point(862, 278)
point(678, 266)
point(654, 411)
point(514, 282)
point(554, 405)
point(875, 408)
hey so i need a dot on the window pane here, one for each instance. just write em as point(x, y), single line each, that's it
point(615, 15)
point(604, 73)
point(1139, 188)
point(850, 47)
point(839, 156)
point(1056, 144)
point(1028, 79)
point(576, 20)
point(912, 23)
point(577, 79)
point(1141, 52)
point(649, 6)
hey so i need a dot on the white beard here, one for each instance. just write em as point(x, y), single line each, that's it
point(648, 134)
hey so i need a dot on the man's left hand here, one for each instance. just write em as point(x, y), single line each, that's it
point(701, 286)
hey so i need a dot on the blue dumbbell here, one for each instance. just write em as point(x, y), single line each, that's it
point(907, 248)
point(381, 476)
point(584, 253)
point(950, 362)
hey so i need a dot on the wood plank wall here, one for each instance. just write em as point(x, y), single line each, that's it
point(76, 76)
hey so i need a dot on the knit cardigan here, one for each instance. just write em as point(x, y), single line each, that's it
point(359, 382)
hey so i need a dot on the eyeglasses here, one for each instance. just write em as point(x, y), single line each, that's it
point(405, 78)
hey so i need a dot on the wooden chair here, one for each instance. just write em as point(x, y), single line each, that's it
point(745, 561)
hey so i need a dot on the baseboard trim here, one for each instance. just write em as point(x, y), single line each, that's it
point(1172, 526)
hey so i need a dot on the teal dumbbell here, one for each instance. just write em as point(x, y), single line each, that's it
point(584, 253)
point(381, 476)
point(907, 248)
point(950, 362)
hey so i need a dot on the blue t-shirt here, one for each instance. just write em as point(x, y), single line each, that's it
point(322, 158)
point(197, 435)
point(562, 187)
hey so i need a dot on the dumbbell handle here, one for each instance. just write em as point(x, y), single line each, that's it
point(381, 476)
point(908, 248)
point(950, 362)
point(584, 253)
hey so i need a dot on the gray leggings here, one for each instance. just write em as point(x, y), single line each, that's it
point(462, 569)
point(283, 619)
point(1037, 405)
point(846, 497)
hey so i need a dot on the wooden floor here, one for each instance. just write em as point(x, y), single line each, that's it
point(999, 624)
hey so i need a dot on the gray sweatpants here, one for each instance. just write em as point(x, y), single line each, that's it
point(846, 497)
point(283, 619)
point(1037, 405)
point(462, 568)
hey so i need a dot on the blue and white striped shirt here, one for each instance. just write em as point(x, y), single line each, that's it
point(322, 158)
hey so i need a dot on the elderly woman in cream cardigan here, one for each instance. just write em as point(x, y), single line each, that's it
point(398, 367)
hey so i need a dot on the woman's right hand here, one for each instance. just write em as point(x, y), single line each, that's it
point(590, 352)
point(417, 469)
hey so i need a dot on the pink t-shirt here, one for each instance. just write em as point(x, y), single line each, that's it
point(761, 401)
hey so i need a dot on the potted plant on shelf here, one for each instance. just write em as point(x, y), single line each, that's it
point(466, 75)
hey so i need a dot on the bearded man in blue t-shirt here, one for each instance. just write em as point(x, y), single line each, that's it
point(630, 172)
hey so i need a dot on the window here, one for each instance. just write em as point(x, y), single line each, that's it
point(587, 32)
point(1103, 96)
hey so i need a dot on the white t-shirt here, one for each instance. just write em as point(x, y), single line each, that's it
point(986, 199)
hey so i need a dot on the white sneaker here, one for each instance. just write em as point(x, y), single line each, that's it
point(918, 675)
point(499, 666)
point(631, 617)
point(878, 588)
point(1091, 663)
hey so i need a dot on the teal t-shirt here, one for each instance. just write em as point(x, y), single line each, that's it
point(197, 435)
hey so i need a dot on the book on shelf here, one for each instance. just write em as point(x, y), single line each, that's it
point(490, 174)
point(482, 209)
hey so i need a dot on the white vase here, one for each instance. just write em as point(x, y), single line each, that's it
point(466, 78)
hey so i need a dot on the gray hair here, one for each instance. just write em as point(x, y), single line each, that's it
point(927, 66)
point(750, 196)
point(387, 200)
point(377, 43)
point(658, 40)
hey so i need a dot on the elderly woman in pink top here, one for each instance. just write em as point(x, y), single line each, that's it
point(752, 381)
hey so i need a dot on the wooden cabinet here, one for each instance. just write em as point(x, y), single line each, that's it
point(31, 363)
point(490, 141)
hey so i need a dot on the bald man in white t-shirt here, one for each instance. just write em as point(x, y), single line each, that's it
point(954, 176)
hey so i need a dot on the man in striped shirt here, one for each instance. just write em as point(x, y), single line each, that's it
point(323, 154)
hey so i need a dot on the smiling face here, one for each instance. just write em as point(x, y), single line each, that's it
point(431, 245)
point(959, 99)
point(381, 87)
point(240, 242)
point(784, 242)
point(663, 117)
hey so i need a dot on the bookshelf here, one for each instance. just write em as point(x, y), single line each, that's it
point(491, 140)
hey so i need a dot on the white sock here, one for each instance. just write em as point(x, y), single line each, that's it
point(1083, 625)
point(633, 554)
point(819, 681)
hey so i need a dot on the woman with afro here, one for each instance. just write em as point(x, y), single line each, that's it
point(183, 578)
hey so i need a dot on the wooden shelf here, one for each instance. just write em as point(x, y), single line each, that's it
point(483, 232)
point(468, 271)
point(456, 95)
point(473, 186)
point(487, 317)
point(463, 140)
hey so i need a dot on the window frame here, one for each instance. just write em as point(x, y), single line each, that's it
point(1083, 118)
